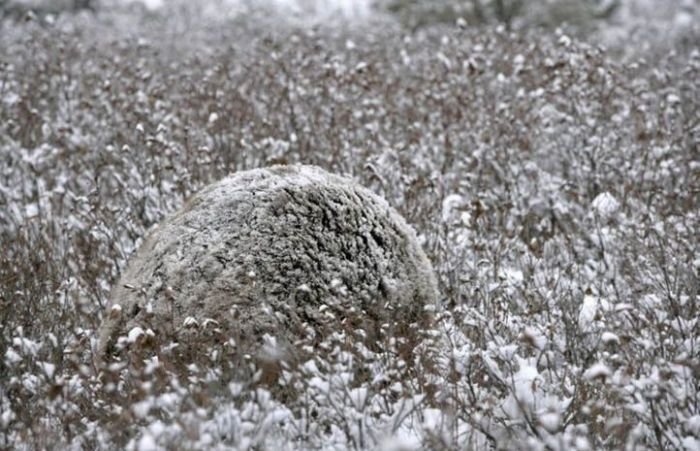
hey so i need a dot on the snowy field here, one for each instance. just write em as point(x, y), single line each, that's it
point(553, 176)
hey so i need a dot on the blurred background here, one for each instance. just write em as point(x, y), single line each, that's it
point(609, 21)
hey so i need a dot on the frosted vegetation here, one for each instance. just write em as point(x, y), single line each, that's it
point(554, 185)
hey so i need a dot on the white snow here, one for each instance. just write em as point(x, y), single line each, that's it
point(550, 421)
point(115, 311)
point(588, 312)
point(147, 443)
point(533, 337)
point(451, 206)
point(31, 210)
point(691, 443)
point(350, 9)
point(11, 357)
point(597, 371)
point(401, 442)
point(134, 334)
point(6, 417)
point(48, 368)
point(190, 322)
point(26, 346)
point(526, 392)
point(609, 338)
point(605, 205)
point(692, 425)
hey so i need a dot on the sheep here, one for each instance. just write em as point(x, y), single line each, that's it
point(267, 257)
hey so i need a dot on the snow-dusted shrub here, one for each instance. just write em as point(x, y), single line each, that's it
point(25, 9)
point(555, 186)
point(266, 257)
point(550, 13)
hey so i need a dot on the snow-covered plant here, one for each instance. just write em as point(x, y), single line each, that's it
point(552, 183)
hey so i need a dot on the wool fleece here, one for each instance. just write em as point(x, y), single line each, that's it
point(271, 255)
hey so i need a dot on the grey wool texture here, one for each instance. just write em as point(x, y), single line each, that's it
point(278, 251)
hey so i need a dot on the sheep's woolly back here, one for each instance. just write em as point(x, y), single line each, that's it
point(272, 251)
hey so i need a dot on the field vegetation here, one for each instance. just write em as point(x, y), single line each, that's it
point(554, 183)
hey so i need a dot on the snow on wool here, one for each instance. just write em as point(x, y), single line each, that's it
point(268, 253)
